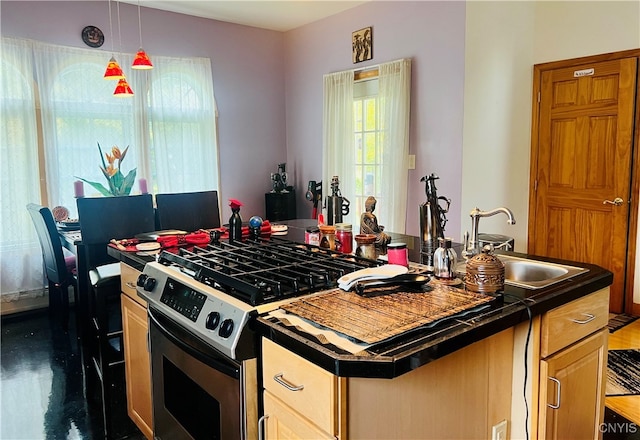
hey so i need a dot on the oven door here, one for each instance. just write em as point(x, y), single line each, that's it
point(198, 393)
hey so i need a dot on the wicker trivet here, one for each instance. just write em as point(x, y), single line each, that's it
point(376, 318)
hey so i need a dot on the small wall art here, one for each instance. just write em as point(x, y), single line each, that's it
point(362, 45)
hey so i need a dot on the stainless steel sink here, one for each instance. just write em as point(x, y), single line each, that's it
point(531, 274)
point(535, 274)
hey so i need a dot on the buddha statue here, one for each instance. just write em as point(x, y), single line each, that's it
point(369, 223)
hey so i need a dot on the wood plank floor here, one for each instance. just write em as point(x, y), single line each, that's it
point(626, 337)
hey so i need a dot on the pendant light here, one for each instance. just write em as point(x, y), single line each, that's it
point(113, 70)
point(123, 90)
point(141, 61)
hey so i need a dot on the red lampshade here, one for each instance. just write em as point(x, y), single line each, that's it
point(113, 70)
point(122, 89)
point(141, 61)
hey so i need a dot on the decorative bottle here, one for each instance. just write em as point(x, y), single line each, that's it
point(235, 221)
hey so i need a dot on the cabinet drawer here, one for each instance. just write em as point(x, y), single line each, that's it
point(283, 422)
point(313, 392)
point(573, 321)
point(128, 278)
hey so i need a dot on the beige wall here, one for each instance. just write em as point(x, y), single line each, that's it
point(503, 42)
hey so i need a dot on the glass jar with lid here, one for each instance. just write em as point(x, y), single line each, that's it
point(344, 238)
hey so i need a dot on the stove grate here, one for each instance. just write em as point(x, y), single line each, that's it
point(263, 271)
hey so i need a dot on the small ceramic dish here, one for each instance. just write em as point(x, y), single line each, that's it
point(149, 246)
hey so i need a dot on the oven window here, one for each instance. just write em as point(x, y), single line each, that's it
point(196, 410)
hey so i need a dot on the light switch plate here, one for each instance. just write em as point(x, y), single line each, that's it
point(412, 161)
point(499, 431)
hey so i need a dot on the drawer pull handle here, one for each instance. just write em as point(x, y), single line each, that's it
point(130, 285)
point(278, 378)
point(261, 423)
point(589, 316)
point(557, 405)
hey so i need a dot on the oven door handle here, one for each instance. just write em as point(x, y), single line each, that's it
point(223, 367)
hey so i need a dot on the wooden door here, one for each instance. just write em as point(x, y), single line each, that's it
point(581, 166)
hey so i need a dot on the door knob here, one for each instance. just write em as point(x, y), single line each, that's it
point(617, 201)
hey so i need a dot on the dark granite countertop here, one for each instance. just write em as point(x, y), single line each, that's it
point(421, 346)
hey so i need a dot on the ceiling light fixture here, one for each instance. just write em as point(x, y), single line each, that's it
point(141, 61)
point(123, 90)
point(113, 70)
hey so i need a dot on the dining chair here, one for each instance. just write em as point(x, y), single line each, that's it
point(101, 220)
point(188, 211)
point(58, 268)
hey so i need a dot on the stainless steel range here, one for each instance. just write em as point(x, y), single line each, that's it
point(201, 303)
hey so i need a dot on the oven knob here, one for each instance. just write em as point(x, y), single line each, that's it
point(149, 284)
point(141, 279)
point(226, 328)
point(213, 319)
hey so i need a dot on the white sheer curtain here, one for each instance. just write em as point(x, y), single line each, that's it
point(182, 115)
point(395, 104)
point(338, 139)
point(338, 142)
point(20, 254)
point(78, 113)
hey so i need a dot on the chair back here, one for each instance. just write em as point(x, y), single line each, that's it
point(52, 254)
point(188, 211)
point(105, 218)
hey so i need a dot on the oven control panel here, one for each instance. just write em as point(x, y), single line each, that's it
point(182, 299)
point(212, 315)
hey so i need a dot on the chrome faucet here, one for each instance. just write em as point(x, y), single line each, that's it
point(471, 244)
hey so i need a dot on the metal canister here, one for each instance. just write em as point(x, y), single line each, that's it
point(312, 235)
point(344, 238)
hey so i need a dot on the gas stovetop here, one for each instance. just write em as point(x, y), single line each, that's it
point(213, 291)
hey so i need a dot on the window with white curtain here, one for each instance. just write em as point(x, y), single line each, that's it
point(169, 126)
point(366, 140)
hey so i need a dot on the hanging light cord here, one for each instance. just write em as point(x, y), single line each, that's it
point(119, 34)
point(111, 27)
point(139, 24)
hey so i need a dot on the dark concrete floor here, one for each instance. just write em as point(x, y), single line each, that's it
point(42, 385)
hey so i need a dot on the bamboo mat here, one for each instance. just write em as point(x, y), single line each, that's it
point(376, 318)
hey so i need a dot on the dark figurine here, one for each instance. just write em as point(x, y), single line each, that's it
point(369, 223)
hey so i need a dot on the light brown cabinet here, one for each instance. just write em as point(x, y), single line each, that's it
point(427, 403)
point(481, 384)
point(573, 368)
point(300, 399)
point(136, 352)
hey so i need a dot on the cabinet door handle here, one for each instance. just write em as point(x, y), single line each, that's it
point(557, 405)
point(278, 378)
point(130, 285)
point(262, 421)
point(589, 316)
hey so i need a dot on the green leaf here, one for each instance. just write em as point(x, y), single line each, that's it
point(128, 182)
point(104, 191)
point(104, 165)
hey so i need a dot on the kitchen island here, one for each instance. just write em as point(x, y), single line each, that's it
point(420, 384)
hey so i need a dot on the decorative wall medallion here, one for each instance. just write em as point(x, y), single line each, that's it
point(362, 45)
point(92, 36)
